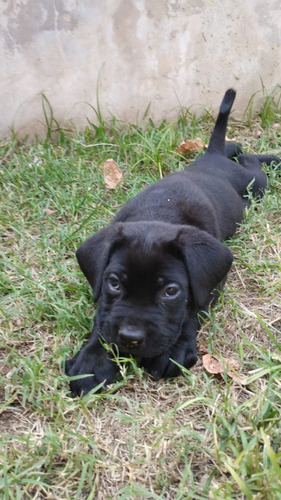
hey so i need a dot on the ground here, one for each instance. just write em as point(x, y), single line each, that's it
point(198, 436)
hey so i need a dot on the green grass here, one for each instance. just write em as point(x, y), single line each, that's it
point(196, 437)
point(268, 104)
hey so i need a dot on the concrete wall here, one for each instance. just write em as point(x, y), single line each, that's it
point(169, 53)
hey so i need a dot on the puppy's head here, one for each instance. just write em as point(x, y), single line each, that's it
point(148, 277)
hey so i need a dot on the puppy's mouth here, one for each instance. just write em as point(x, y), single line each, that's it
point(139, 352)
point(133, 348)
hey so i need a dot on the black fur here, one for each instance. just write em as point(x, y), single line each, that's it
point(161, 260)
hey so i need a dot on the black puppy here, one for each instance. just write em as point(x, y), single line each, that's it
point(161, 261)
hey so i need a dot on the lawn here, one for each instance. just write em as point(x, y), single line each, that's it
point(200, 436)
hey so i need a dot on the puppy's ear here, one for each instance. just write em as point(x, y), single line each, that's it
point(207, 261)
point(93, 255)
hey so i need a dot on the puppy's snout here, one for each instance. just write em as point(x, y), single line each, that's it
point(131, 335)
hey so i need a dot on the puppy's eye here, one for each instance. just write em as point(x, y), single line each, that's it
point(113, 283)
point(171, 291)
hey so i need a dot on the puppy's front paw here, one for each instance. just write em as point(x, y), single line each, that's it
point(82, 386)
point(95, 369)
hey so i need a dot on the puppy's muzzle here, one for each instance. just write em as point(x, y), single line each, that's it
point(131, 336)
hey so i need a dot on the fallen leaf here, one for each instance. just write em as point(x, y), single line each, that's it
point(48, 211)
point(111, 173)
point(191, 146)
point(238, 377)
point(213, 364)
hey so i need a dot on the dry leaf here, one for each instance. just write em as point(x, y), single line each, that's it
point(191, 146)
point(111, 173)
point(238, 377)
point(48, 211)
point(213, 364)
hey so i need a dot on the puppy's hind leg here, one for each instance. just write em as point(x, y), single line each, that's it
point(233, 149)
point(268, 159)
point(253, 165)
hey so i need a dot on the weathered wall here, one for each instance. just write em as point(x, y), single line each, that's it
point(169, 53)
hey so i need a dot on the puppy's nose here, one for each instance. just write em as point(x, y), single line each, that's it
point(131, 335)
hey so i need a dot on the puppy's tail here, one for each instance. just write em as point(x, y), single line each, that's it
point(217, 140)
